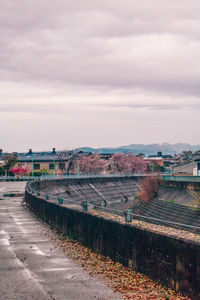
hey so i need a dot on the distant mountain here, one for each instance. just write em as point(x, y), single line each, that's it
point(150, 149)
point(166, 148)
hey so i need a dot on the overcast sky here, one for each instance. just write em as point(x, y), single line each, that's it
point(98, 73)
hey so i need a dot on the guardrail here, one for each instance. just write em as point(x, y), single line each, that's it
point(20, 178)
point(164, 176)
point(181, 178)
point(51, 177)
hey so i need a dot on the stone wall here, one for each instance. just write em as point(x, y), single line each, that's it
point(174, 262)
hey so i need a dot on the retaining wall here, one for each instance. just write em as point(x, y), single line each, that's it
point(174, 262)
point(84, 180)
point(183, 185)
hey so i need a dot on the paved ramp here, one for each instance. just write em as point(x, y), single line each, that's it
point(30, 265)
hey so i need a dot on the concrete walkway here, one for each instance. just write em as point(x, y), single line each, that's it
point(31, 267)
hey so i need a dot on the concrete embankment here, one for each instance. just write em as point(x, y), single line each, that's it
point(174, 262)
point(172, 194)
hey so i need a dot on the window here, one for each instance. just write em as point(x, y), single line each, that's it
point(51, 166)
point(62, 166)
point(36, 166)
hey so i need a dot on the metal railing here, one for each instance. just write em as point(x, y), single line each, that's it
point(164, 176)
point(181, 178)
point(51, 177)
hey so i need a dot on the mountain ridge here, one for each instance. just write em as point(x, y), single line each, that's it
point(148, 149)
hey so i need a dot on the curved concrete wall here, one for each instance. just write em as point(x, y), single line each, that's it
point(174, 262)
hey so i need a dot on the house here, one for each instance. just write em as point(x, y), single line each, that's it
point(160, 162)
point(53, 162)
point(154, 163)
point(187, 167)
point(196, 171)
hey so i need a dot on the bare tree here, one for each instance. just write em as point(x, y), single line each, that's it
point(9, 161)
point(62, 157)
point(149, 188)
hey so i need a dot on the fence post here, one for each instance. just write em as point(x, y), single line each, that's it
point(60, 200)
point(128, 215)
point(85, 205)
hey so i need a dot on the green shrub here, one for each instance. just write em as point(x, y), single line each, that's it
point(40, 172)
point(2, 171)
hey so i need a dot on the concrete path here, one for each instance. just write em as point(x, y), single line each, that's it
point(31, 267)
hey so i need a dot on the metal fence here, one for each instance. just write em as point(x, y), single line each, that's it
point(163, 176)
point(52, 177)
point(181, 178)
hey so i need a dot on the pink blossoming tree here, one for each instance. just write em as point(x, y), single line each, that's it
point(90, 164)
point(19, 171)
point(127, 163)
point(118, 163)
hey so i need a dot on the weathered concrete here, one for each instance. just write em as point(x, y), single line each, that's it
point(174, 262)
point(30, 265)
point(182, 185)
point(179, 196)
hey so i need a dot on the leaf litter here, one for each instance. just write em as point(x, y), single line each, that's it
point(130, 284)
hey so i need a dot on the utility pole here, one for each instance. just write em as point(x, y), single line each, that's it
point(32, 165)
point(78, 167)
point(54, 166)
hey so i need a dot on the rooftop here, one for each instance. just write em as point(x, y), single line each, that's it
point(42, 158)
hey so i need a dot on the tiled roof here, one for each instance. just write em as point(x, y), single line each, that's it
point(42, 158)
point(153, 158)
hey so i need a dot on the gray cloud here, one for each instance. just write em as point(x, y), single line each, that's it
point(86, 56)
point(154, 46)
point(153, 106)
